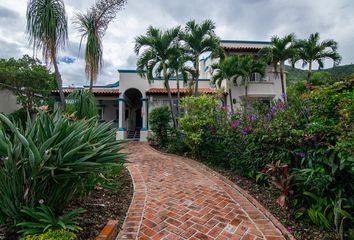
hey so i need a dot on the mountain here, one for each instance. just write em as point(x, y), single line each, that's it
point(336, 73)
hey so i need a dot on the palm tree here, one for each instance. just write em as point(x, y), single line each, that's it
point(92, 27)
point(281, 50)
point(199, 39)
point(158, 47)
point(47, 29)
point(249, 65)
point(229, 70)
point(177, 67)
point(312, 50)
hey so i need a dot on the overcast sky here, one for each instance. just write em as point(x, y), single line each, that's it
point(235, 19)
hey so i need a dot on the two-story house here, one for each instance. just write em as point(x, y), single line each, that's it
point(128, 102)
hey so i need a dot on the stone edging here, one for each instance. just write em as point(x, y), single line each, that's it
point(253, 201)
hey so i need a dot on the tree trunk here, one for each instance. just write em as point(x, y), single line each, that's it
point(178, 95)
point(196, 76)
point(282, 81)
point(310, 71)
point(60, 85)
point(91, 84)
point(167, 85)
point(231, 103)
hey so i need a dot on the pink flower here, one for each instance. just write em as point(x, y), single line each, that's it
point(235, 124)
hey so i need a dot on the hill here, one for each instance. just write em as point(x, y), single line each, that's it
point(336, 73)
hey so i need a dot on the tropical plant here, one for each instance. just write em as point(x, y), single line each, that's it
point(52, 235)
point(248, 65)
point(281, 179)
point(281, 50)
point(48, 31)
point(198, 39)
point(228, 69)
point(158, 46)
point(160, 119)
point(177, 67)
point(49, 159)
point(43, 218)
point(82, 103)
point(312, 50)
point(92, 27)
point(200, 118)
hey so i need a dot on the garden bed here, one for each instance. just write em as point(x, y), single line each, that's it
point(101, 205)
point(268, 198)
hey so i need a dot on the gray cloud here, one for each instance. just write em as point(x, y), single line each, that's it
point(235, 19)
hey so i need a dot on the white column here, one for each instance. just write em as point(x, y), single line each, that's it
point(144, 113)
point(121, 133)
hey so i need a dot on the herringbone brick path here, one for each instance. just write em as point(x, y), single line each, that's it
point(176, 198)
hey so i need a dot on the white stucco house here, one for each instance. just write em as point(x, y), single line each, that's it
point(128, 101)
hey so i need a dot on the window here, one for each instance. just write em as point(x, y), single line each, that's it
point(256, 77)
point(100, 114)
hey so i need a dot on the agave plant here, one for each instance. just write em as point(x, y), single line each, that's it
point(49, 159)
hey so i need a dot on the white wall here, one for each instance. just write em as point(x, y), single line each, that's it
point(8, 102)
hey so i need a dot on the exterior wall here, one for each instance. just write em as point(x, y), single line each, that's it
point(8, 102)
point(110, 107)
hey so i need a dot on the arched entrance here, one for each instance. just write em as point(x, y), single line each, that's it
point(133, 116)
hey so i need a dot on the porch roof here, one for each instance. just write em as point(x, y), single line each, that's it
point(95, 91)
point(182, 90)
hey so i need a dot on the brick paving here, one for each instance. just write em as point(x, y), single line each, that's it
point(178, 198)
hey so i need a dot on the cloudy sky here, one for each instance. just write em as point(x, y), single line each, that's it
point(235, 19)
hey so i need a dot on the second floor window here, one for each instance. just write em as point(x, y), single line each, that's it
point(256, 77)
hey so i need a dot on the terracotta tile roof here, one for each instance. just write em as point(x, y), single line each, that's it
point(243, 45)
point(96, 91)
point(182, 90)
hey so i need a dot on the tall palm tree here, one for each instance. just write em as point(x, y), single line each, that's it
point(229, 69)
point(281, 50)
point(177, 66)
point(312, 50)
point(157, 48)
point(92, 27)
point(47, 29)
point(199, 39)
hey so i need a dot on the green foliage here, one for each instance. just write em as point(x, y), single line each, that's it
point(43, 219)
point(337, 73)
point(82, 103)
point(28, 79)
point(160, 124)
point(303, 145)
point(52, 235)
point(199, 121)
point(49, 159)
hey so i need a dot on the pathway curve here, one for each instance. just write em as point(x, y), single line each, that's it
point(178, 198)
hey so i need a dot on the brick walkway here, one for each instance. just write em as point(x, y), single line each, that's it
point(178, 198)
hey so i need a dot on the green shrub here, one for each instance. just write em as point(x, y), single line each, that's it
point(83, 103)
point(43, 219)
point(200, 119)
point(160, 124)
point(53, 235)
point(49, 160)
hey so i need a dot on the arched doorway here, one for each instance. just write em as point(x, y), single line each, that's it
point(133, 116)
